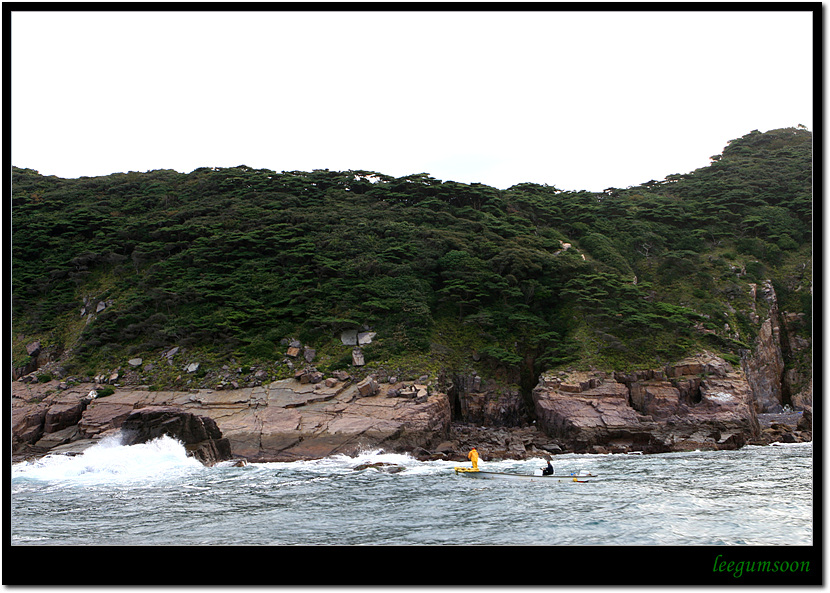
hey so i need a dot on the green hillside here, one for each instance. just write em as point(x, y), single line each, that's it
point(228, 264)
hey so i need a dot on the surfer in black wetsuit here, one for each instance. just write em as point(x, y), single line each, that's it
point(547, 471)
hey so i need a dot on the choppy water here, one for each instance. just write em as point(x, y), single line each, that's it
point(153, 494)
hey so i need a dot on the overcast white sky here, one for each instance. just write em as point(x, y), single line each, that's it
point(577, 100)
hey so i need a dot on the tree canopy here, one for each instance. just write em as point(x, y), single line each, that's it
point(234, 260)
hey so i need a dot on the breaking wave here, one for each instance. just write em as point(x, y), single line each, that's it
point(110, 460)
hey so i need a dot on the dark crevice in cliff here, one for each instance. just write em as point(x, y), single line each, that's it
point(697, 396)
point(788, 358)
point(456, 414)
point(786, 394)
point(689, 389)
point(502, 401)
point(528, 380)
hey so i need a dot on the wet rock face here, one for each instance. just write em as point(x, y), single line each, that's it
point(199, 434)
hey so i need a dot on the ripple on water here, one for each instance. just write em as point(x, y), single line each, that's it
point(159, 498)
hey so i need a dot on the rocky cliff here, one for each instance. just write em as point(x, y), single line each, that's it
point(221, 283)
point(697, 403)
point(282, 421)
point(700, 402)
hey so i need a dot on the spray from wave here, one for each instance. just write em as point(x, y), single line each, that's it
point(110, 460)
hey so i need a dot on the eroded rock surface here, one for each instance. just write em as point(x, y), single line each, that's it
point(282, 421)
point(199, 434)
point(698, 403)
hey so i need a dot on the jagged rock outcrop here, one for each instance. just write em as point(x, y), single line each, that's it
point(785, 427)
point(40, 423)
point(701, 402)
point(775, 368)
point(594, 413)
point(486, 402)
point(199, 434)
point(764, 368)
point(805, 422)
point(797, 382)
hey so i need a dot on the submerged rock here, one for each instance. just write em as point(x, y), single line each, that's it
point(387, 468)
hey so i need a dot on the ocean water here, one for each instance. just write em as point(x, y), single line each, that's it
point(154, 495)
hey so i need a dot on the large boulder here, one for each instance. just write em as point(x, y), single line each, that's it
point(199, 434)
point(367, 387)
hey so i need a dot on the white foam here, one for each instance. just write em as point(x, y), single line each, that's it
point(109, 461)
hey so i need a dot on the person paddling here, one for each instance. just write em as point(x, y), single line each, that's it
point(547, 471)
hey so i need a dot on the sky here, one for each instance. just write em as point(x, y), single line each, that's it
point(576, 100)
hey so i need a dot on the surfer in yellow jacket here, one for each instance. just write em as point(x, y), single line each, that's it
point(473, 456)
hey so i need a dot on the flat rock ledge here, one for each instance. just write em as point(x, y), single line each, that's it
point(699, 403)
point(283, 421)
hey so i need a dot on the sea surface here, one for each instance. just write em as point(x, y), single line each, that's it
point(154, 495)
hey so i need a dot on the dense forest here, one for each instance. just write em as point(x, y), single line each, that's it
point(230, 263)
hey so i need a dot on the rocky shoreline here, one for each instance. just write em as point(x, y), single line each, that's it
point(699, 403)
